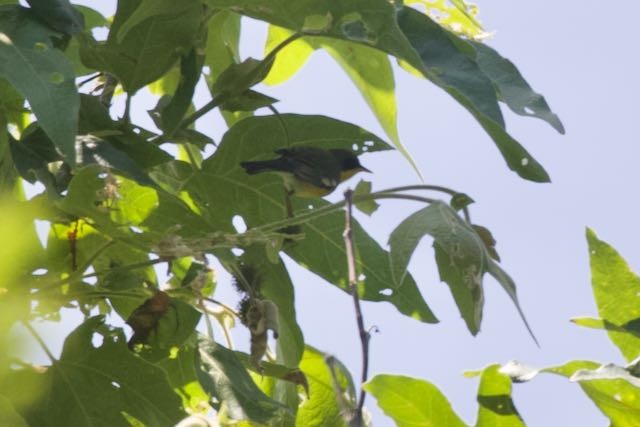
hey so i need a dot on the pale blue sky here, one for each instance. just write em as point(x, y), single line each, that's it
point(582, 57)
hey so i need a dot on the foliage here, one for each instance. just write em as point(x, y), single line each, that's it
point(118, 201)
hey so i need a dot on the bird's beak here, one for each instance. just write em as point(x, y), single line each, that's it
point(363, 169)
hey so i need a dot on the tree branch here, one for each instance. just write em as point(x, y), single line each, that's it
point(356, 421)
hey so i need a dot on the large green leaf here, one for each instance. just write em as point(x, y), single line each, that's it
point(223, 375)
point(147, 50)
point(222, 189)
point(412, 402)
point(321, 406)
point(412, 37)
point(223, 50)
point(127, 385)
point(512, 88)
point(41, 73)
point(369, 69)
point(494, 397)
point(615, 288)
point(448, 66)
point(461, 255)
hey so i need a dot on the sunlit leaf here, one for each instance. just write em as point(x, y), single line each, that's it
point(616, 290)
point(412, 402)
point(496, 407)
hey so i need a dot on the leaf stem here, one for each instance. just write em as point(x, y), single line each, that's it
point(40, 340)
point(353, 285)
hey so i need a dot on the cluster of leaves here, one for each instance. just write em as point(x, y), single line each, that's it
point(613, 388)
point(117, 203)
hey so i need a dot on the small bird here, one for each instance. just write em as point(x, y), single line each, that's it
point(309, 171)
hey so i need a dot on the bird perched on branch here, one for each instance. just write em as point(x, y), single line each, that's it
point(309, 171)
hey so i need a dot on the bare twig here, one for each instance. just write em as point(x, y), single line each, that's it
point(356, 421)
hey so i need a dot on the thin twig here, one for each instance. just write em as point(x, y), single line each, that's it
point(40, 340)
point(353, 285)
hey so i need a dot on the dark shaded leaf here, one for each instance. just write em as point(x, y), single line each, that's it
point(223, 375)
point(42, 74)
point(249, 100)
point(147, 50)
point(444, 63)
point(238, 77)
point(126, 383)
point(512, 88)
point(59, 15)
point(172, 113)
point(95, 150)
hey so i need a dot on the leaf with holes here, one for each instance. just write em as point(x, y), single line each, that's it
point(260, 199)
point(42, 74)
point(130, 387)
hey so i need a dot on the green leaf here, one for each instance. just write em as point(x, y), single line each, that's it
point(412, 37)
point(632, 327)
point(9, 416)
point(126, 383)
point(41, 74)
point(181, 370)
point(512, 88)
point(58, 14)
point(494, 397)
point(149, 49)
point(249, 100)
point(260, 200)
point(223, 375)
point(616, 289)
point(367, 206)
point(290, 59)
point(321, 406)
point(457, 16)
point(368, 68)
point(277, 287)
point(99, 151)
point(172, 113)
point(412, 402)
point(614, 391)
point(238, 77)
point(222, 50)
point(445, 64)
point(461, 255)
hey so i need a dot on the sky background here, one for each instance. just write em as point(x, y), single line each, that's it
point(583, 58)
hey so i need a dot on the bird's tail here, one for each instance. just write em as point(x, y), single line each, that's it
point(253, 168)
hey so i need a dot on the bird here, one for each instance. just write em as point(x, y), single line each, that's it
point(309, 172)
